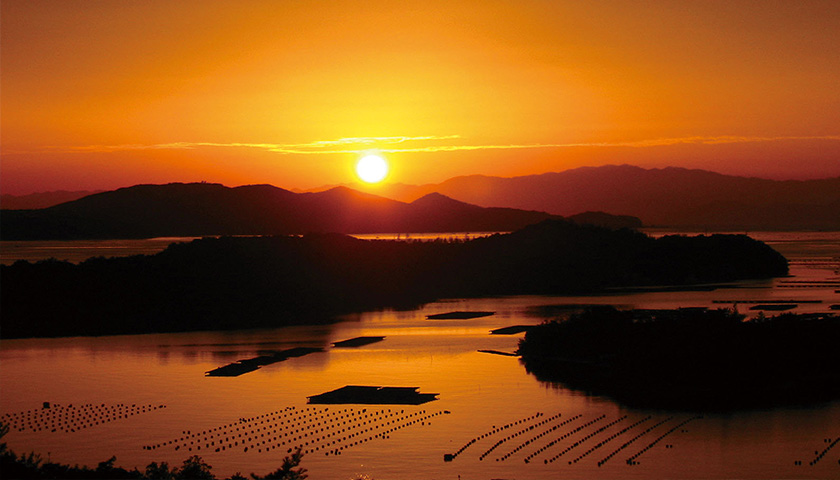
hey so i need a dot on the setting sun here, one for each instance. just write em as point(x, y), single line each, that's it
point(372, 168)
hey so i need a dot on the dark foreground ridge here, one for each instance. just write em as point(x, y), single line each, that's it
point(690, 359)
point(32, 465)
point(235, 283)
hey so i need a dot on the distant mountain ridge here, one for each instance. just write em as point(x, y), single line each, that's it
point(41, 199)
point(197, 209)
point(668, 197)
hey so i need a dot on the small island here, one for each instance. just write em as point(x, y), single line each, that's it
point(691, 359)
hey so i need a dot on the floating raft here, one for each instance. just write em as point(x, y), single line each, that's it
point(241, 367)
point(459, 315)
point(357, 342)
point(371, 395)
point(511, 330)
point(776, 307)
point(497, 352)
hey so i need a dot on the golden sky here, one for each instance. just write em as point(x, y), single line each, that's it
point(103, 94)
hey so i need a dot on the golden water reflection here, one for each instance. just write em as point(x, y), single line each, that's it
point(482, 391)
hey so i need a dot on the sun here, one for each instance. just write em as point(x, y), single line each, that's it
point(372, 168)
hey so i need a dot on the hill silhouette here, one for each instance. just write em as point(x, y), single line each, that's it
point(243, 282)
point(674, 197)
point(667, 197)
point(198, 209)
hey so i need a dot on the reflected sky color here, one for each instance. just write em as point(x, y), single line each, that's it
point(441, 356)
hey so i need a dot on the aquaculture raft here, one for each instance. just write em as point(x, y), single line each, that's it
point(511, 330)
point(459, 315)
point(373, 395)
point(241, 367)
point(357, 342)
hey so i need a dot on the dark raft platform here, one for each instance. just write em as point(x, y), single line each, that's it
point(372, 395)
point(459, 315)
point(511, 330)
point(241, 367)
point(497, 352)
point(357, 342)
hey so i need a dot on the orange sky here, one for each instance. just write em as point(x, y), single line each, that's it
point(102, 94)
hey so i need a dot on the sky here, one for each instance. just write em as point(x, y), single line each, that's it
point(105, 94)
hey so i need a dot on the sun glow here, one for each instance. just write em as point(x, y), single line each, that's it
point(372, 168)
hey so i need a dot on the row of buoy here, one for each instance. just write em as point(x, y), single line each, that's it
point(305, 428)
point(563, 437)
point(407, 421)
point(608, 440)
point(632, 459)
point(385, 434)
point(820, 455)
point(534, 439)
point(451, 456)
point(297, 418)
point(539, 436)
point(350, 440)
point(70, 418)
point(584, 439)
point(524, 444)
point(215, 434)
point(516, 434)
point(632, 440)
point(613, 437)
point(57, 410)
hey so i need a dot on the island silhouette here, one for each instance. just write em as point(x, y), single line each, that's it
point(243, 282)
point(688, 359)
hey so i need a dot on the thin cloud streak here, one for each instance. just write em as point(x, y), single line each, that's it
point(386, 144)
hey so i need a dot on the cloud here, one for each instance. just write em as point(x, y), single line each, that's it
point(341, 145)
point(439, 143)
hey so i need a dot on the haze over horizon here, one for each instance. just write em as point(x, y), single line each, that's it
point(102, 95)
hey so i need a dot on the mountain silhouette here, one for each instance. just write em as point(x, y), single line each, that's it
point(41, 199)
point(672, 197)
point(198, 209)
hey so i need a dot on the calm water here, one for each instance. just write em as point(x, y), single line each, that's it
point(482, 392)
point(79, 250)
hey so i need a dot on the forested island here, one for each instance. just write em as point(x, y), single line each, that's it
point(245, 282)
point(688, 358)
